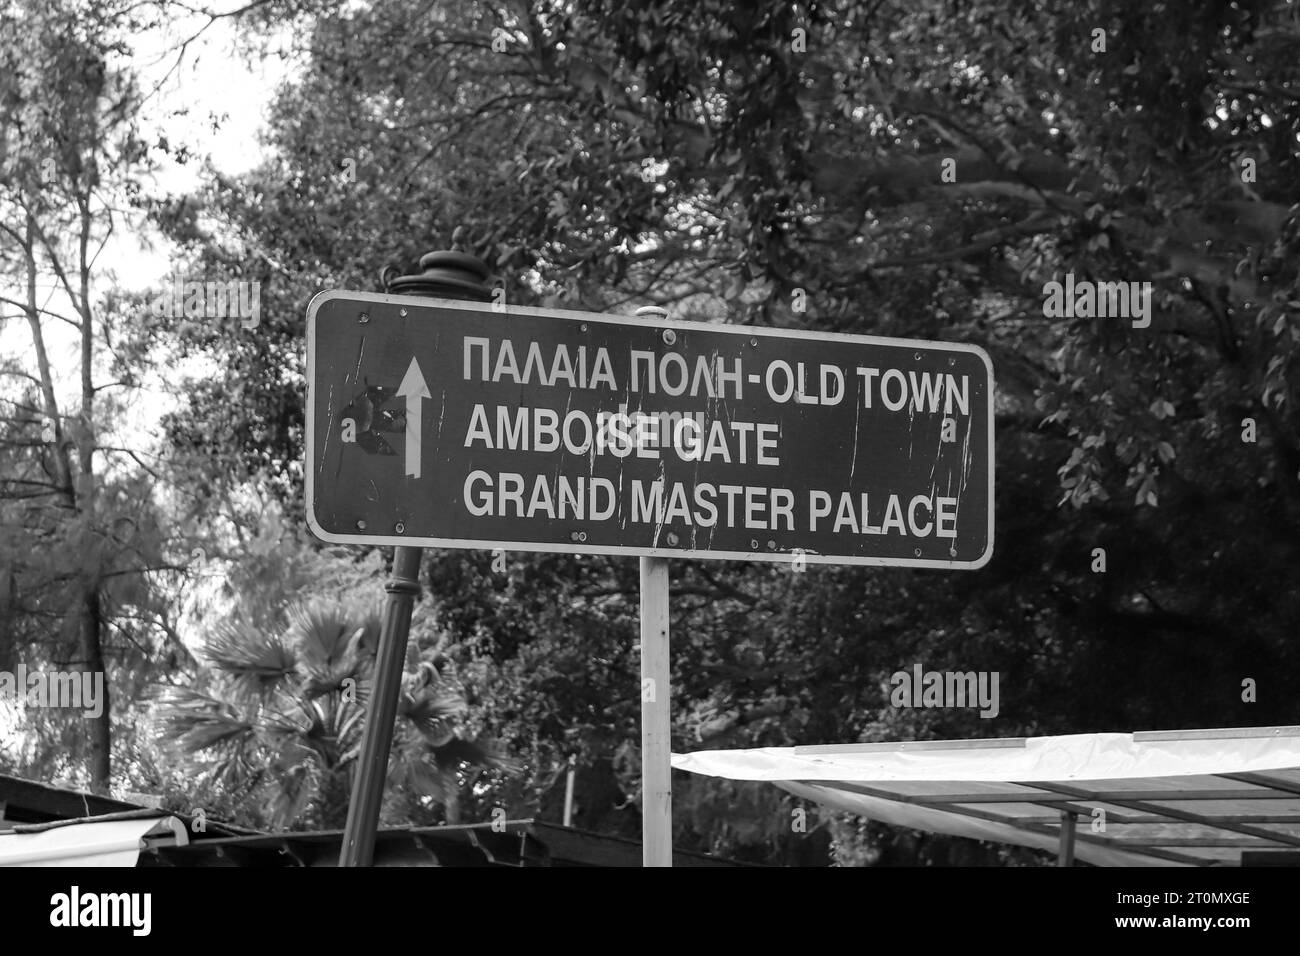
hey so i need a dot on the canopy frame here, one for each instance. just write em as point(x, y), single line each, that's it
point(1181, 797)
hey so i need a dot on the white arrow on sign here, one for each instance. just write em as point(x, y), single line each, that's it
point(414, 390)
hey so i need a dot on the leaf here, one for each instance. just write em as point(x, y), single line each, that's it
point(257, 661)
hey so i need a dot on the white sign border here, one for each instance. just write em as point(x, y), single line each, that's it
point(397, 540)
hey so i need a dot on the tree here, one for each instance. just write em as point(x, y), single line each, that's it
point(731, 162)
point(277, 720)
point(81, 541)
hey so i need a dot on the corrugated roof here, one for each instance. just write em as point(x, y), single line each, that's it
point(513, 843)
point(68, 818)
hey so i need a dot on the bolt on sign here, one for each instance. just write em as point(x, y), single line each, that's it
point(471, 425)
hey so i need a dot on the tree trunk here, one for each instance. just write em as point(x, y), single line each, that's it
point(101, 728)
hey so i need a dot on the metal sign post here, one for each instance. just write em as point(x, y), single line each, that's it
point(656, 717)
point(656, 705)
point(449, 275)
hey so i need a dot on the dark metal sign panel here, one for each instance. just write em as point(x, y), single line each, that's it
point(463, 424)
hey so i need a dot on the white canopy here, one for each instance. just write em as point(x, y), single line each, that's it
point(115, 842)
point(1159, 798)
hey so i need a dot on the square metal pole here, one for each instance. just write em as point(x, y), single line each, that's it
point(1065, 854)
point(656, 717)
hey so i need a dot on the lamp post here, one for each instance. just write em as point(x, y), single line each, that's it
point(444, 275)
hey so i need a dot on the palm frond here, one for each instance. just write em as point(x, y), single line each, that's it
point(256, 661)
point(480, 752)
point(296, 786)
point(327, 633)
point(194, 721)
point(331, 641)
point(432, 705)
point(281, 715)
point(414, 771)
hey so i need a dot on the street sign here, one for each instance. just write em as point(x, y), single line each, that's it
point(443, 423)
